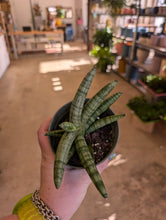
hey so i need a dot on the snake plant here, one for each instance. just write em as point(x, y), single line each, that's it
point(83, 119)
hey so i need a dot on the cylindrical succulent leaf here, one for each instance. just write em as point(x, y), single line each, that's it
point(61, 156)
point(102, 108)
point(96, 101)
point(89, 164)
point(55, 133)
point(68, 126)
point(103, 122)
point(79, 99)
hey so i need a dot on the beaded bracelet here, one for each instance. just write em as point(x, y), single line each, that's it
point(33, 207)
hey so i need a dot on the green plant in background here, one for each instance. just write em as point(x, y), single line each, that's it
point(103, 42)
point(148, 111)
point(105, 57)
point(114, 5)
point(103, 38)
point(83, 120)
point(156, 83)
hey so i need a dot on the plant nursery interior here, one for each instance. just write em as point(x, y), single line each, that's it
point(46, 49)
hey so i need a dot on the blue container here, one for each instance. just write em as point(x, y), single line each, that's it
point(126, 50)
point(131, 72)
point(123, 31)
point(69, 33)
point(129, 32)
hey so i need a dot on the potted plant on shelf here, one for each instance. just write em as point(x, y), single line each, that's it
point(114, 5)
point(155, 87)
point(144, 115)
point(103, 41)
point(84, 132)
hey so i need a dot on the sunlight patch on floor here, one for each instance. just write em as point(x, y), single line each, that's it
point(112, 217)
point(56, 83)
point(68, 47)
point(61, 65)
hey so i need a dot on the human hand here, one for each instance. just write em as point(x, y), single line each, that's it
point(65, 200)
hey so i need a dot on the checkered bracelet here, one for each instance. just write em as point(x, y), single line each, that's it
point(43, 209)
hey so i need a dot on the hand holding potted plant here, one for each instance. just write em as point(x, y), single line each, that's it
point(80, 119)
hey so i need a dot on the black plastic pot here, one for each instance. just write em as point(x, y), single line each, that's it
point(62, 114)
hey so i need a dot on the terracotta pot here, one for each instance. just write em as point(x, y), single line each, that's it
point(142, 55)
point(142, 40)
point(119, 47)
point(147, 11)
point(147, 127)
point(150, 94)
point(162, 41)
point(160, 11)
point(62, 114)
point(156, 63)
point(155, 40)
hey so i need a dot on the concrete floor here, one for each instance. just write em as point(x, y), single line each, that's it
point(135, 180)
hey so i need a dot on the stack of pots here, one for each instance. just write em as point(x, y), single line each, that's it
point(159, 41)
point(142, 55)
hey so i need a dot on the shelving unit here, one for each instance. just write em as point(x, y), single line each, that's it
point(131, 60)
point(6, 24)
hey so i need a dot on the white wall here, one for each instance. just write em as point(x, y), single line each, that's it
point(4, 56)
point(85, 12)
point(21, 11)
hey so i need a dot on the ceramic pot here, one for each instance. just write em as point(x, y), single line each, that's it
point(162, 41)
point(119, 47)
point(142, 55)
point(147, 127)
point(160, 11)
point(156, 63)
point(163, 10)
point(142, 40)
point(147, 11)
point(63, 113)
point(154, 40)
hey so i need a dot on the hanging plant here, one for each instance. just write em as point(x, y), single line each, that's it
point(115, 5)
point(37, 10)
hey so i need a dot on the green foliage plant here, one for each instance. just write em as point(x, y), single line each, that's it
point(114, 5)
point(146, 111)
point(156, 83)
point(83, 119)
point(105, 57)
point(103, 37)
point(103, 41)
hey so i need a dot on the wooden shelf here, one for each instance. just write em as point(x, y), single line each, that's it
point(145, 67)
point(159, 50)
point(151, 15)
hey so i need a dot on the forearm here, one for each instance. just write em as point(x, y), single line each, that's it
point(11, 217)
point(66, 200)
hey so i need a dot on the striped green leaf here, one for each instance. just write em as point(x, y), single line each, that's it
point(79, 99)
point(102, 108)
point(55, 133)
point(61, 156)
point(68, 126)
point(89, 164)
point(103, 122)
point(96, 101)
